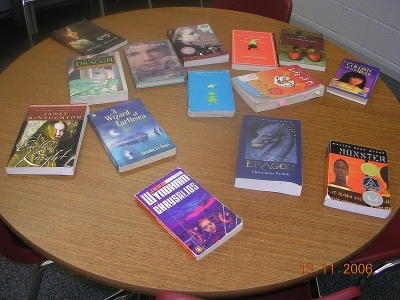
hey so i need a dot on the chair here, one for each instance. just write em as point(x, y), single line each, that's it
point(151, 6)
point(30, 19)
point(351, 292)
point(280, 10)
point(12, 248)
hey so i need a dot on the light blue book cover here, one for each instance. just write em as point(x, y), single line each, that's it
point(210, 94)
point(130, 135)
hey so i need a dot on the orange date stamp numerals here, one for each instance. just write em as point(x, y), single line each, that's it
point(347, 269)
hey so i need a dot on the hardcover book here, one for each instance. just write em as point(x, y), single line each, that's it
point(88, 38)
point(197, 220)
point(303, 48)
point(270, 155)
point(95, 79)
point(130, 135)
point(354, 81)
point(210, 94)
point(49, 140)
point(357, 179)
point(154, 63)
point(277, 87)
point(197, 45)
point(254, 51)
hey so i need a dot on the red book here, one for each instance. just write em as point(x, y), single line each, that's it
point(254, 51)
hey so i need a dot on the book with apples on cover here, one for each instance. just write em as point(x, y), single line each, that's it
point(196, 219)
point(303, 48)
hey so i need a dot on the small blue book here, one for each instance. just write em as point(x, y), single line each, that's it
point(269, 156)
point(210, 94)
point(130, 135)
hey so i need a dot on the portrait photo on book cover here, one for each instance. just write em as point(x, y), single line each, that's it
point(152, 60)
point(46, 144)
point(204, 221)
point(195, 41)
point(271, 141)
point(348, 173)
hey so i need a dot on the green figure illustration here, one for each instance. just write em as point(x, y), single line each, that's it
point(252, 44)
point(212, 98)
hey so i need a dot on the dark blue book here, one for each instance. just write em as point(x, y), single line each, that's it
point(130, 135)
point(269, 156)
point(210, 94)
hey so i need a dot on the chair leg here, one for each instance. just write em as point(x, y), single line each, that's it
point(149, 2)
point(101, 8)
point(37, 279)
point(27, 21)
point(201, 3)
point(364, 281)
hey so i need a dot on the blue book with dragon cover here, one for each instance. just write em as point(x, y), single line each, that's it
point(210, 94)
point(269, 156)
point(197, 220)
point(130, 135)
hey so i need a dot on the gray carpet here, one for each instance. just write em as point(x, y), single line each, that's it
point(59, 283)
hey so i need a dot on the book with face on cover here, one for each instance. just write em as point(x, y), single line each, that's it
point(277, 87)
point(354, 81)
point(49, 140)
point(254, 51)
point(270, 155)
point(196, 219)
point(303, 48)
point(357, 179)
point(88, 38)
point(95, 79)
point(197, 45)
point(130, 135)
point(154, 63)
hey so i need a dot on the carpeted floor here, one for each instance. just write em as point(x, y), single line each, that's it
point(59, 283)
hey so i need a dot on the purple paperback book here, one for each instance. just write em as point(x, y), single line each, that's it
point(194, 218)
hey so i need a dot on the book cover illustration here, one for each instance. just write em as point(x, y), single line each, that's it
point(95, 79)
point(210, 94)
point(49, 140)
point(131, 135)
point(197, 45)
point(354, 81)
point(154, 63)
point(270, 155)
point(197, 220)
point(357, 179)
point(279, 82)
point(88, 38)
point(254, 51)
point(303, 48)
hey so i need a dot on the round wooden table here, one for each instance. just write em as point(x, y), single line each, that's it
point(90, 223)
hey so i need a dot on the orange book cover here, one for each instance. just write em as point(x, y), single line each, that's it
point(357, 176)
point(280, 82)
point(253, 50)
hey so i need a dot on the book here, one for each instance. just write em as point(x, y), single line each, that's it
point(196, 219)
point(270, 155)
point(130, 135)
point(210, 94)
point(95, 79)
point(197, 45)
point(277, 87)
point(303, 48)
point(357, 179)
point(154, 63)
point(354, 81)
point(87, 38)
point(49, 140)
point(254, 50)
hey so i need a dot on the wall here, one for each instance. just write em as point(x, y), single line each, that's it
point(368, 29)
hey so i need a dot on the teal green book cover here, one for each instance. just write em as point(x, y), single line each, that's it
point(210, 94)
